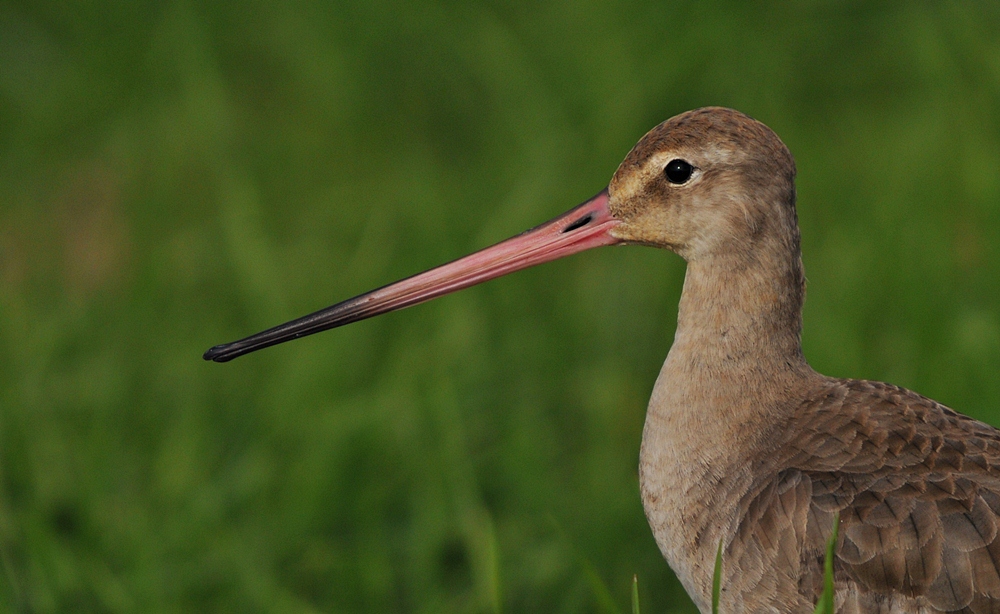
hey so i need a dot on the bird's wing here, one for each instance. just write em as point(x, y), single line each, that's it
point(917, 487)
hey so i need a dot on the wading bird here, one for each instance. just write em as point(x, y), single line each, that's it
point(744, 442)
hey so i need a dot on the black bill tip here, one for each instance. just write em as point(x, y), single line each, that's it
point(219, 353)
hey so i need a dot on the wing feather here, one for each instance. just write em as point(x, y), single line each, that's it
point(917, 487)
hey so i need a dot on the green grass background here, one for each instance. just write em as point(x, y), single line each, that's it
point(178, 174)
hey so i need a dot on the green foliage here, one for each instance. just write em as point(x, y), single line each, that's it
point(635, 594)
point(825, 604)
point(179, 174)
point(717, 579)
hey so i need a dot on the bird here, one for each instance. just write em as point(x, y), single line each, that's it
point(745, 448)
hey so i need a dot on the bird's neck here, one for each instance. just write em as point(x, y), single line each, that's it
point(738, 313)
point(735, 363)
point(737, 349)
point(737, 353)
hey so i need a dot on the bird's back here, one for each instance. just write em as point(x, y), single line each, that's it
point(917, 487)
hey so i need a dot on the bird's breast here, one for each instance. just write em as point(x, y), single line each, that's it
point(705, 442)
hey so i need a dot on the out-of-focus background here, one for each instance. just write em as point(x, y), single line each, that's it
point(179, 174)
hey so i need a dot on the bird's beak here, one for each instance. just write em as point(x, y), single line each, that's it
point(583, 227)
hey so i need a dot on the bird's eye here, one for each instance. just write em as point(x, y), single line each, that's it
point(678, 171)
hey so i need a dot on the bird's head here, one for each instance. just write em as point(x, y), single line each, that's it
point(704, 182)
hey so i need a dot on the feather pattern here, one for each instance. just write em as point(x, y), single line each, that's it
point(917, 486)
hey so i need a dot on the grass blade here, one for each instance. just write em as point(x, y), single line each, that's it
point(717, 579)
point(825, 604)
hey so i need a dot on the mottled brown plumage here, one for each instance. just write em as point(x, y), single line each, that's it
point(916, 485)
point(744, 443)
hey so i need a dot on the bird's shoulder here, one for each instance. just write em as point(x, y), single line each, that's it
point(865, 427)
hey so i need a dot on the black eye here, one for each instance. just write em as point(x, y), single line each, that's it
point(678, 171)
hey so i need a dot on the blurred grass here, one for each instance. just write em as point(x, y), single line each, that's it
point(174, 175)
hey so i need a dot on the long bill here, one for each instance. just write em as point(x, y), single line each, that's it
point(583, 227)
